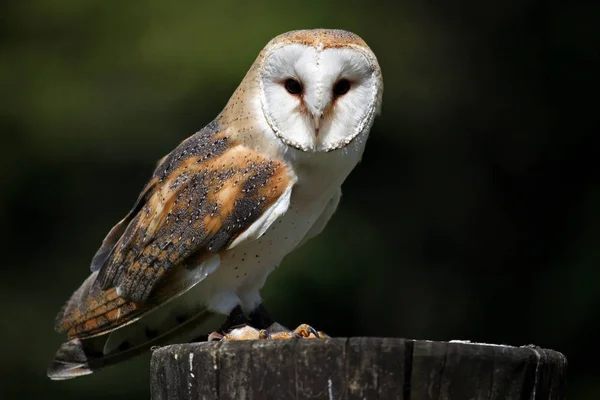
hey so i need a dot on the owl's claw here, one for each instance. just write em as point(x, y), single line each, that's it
point(238, 327)
point(305, 331)
point(264, 334)
point(215, 337)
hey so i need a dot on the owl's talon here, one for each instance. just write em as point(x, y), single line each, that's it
point(307, 332)
point(264, 334)
point(215, 337)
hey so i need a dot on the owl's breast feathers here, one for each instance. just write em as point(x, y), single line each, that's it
point(201, 197)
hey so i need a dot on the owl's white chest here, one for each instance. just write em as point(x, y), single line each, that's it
point(243, 270)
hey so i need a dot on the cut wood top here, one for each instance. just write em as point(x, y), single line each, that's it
point(356, 368)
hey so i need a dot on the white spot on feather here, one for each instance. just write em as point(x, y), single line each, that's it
point(258, 228)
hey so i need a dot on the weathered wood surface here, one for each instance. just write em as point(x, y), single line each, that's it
point(356, 368)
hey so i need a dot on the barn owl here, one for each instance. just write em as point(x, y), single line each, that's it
point(223, 209)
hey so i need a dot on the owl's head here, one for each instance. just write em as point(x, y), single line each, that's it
point(319, 89)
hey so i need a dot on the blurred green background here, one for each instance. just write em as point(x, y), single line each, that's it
point(474, 214)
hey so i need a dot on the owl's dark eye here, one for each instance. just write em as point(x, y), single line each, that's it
point(293, 86)
point(341, 87)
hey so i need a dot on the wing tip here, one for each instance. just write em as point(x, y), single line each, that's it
point(62, 370)
point(69, 362)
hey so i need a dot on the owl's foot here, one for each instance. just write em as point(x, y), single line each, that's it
point(303, 331)
point(260, 319)
point(260, 325)
point(241, 333)
point(275, 332)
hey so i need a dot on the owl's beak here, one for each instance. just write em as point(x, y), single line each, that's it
point(317, 119)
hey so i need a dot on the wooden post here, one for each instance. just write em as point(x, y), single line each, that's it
point(355, 368)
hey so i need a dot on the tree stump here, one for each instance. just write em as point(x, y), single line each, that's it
point(356, 368)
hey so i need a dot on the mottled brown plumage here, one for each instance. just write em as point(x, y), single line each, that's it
point(200, 198)
point(223, 209)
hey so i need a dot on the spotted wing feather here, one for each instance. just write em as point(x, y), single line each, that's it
point(202, 197)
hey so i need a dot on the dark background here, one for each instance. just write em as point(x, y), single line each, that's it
point(474, 214)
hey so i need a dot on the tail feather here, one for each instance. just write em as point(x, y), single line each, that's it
point(104, 328)
point(70, 361)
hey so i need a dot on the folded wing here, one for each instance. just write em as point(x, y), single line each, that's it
point(209, 194)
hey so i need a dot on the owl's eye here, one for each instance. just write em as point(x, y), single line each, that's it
point(341, 87)
point(293, 86)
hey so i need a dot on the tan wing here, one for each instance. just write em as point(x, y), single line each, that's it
point(202, 197)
